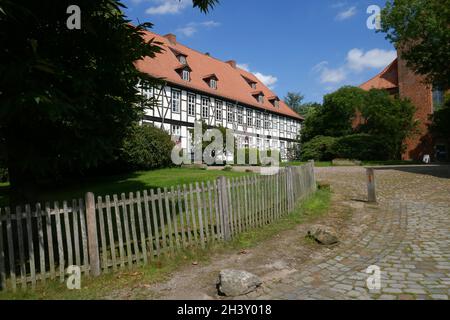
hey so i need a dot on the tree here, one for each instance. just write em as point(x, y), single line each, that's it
point(389, 118)
point(334, 118)
point(67, 96)
point(441, 118)
point(294, 100)
point(420, 29)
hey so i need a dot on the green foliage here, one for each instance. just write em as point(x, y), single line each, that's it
point(334, 117)
point(4, 176)
point(146, 147)
point(441, 119)
point(420, 28)
point(295, 101)
point(389, 119)
point(318, 148)
point(68, 96)
point(360, 147)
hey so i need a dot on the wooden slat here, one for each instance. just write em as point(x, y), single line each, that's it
point(186, 214)
point(155, 222)
point(148, 223)
point(84, 241)
point(169, 220)
point(200, 217)
point(230, 207)
point(2, 256)
point(133, 229)
point(203, 195)
point(76, 233)
point(246, 206)
point(193, 220)
point(174, 216)
point(11, 255)
point(68, 234)
point(112, 242)
point(40, 230)
point(51, 255)
point(239, 204)
point(31, 257)
point(161, 221)
point(141, 228)
point(126, 225)
point(181, 216)
point(59, 242)
point(119, 230)
point(211, 211)
point(20, 239)
point(101, 220)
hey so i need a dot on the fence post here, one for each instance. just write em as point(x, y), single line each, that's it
point(222, 183)
point(371, 185)
point(313, 175)
point(91, 219)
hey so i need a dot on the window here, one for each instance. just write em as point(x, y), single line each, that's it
point(258, 120)
point(213, 83)
point(205, 108)
point(176, 101)
point(186, 75)
point(249, 117)
point(276, 103)
point(191, 105)
point(219, 109)
point(275, 122)
point(261, 98)
point(438, 98)
point(182, 59)
point(240, 116)
point(230, 113)
point(266, 122)
point(253, 85)
point(281, 125)
point(176, 130)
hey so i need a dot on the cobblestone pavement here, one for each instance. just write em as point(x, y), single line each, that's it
point(407, 235)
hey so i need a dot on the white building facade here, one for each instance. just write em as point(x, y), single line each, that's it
point(261, 121)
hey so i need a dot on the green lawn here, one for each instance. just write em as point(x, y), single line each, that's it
point(364, 163)
point(136, 181)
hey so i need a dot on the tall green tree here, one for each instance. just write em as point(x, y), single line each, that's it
point(421, 29)
point(67, 96)
point(294, 100)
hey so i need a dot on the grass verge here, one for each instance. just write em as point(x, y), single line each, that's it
point(141, 277)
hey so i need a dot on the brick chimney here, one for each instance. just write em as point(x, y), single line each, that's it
point(232, 63)
point(172, 38)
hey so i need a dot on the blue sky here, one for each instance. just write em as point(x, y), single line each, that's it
point(313, 47)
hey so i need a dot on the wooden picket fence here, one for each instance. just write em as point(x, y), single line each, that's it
point(108, 233)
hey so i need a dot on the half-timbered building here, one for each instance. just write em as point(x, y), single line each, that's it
point(200, 87)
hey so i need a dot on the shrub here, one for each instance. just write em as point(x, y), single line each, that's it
point(147, 147)
point(258, 156)
point(4, 177)
point(360, 146)
point(319, 149)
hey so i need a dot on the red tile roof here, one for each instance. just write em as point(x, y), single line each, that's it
point(386, 79)
point(231, 84)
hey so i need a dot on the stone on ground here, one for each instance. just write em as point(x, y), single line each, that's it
point(234, 283)
point(323, 235)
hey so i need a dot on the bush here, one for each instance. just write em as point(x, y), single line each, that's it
point(258, 156)
point(360, 146)
point(147, 147)
point(4, 177)
point(319, 149)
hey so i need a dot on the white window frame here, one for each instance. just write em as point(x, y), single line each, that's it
point(213, 83)
point(191, 105)
point(240, 116)
point(176, 101)
point(205, 107)
point(230, 113)
point(249, 118)
point(219, 110)
point(186, 75)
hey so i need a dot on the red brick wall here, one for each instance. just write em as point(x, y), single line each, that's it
point(412, 86)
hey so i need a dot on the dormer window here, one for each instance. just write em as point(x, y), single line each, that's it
point(182, 59)
point(275, 101)
point(186, 75)
point(211, 80)
point(213, 84)
point(250, 82)
point(259, 96)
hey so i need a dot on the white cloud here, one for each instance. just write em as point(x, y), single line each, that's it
point(346, 14)
point(357, 61)
point(162, 7)
point(330, 75)
point(191, 28)
point(377, 58)
point(267, 79)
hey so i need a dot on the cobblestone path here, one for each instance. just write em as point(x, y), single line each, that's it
point(407, 236)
